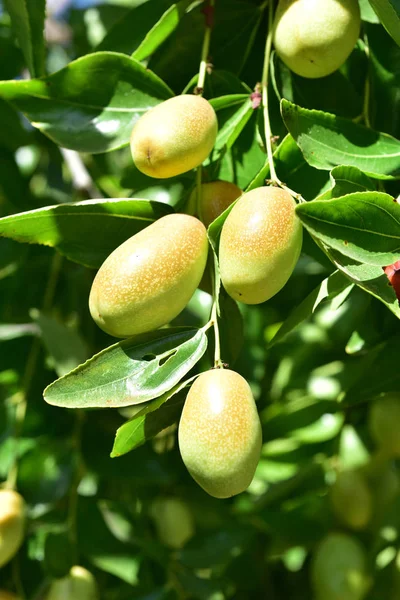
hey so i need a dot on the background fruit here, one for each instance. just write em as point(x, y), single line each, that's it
point(216, 196)
point(220, 433)
point(149, 279)
point(339, 569)
point(260, 245)
point(12, 524)
point(315, 37)
point(173, 521)
point(351, 499)
point(174, 136)
point(78, 584)
point(384, 423)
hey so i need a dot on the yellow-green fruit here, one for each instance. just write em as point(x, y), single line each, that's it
point(12, 524)
point(216, 196)
point(174, 136)
point(148, 280)
point(220, 433)
point(173, 521)
point(338, 570)
point(79, 584)
point(384, 423)
point(351, 499)
point(260, 245)
point(315, 37)
point(7, 595)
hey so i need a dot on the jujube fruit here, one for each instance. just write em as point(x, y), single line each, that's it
point(351, 499)
point(315, 37)
point(173, 520)
point(220, 433)
point(393, 274)
point(384, 423)
point(215, 197)
point(174, 136)
point(79, 584)
point(12, 524)
point(148, 280)
point(338, 570)
point(260, 245)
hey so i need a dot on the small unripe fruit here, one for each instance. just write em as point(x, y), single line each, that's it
point(174, 136)
point(148, 280)
point(12, 524)
point(7, 595)
point(173, 521)
point(260, 245)
point(216, 196)
point(351, 499)
point(384, 423)
point(220, 433)
point(79, 584)
point(315, 37)
point(338, 570)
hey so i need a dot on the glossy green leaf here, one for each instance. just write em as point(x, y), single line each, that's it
point(346, 180)
point(364, 226)
point(328, 289)
point(86, 232)
point(155, 416)
point(231, 125)
point(388, 12)
point(370, 278)
point(27, 18)
point(91, 104)
point(130, 372)
point(327, 141)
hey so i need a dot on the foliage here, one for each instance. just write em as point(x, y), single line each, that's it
point(90, 459)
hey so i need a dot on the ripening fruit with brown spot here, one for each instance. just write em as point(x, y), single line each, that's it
point(215, 197)
point(174, 136)
point(220, 433)
point(315, 37)
point(351, 499)
point(260, 245)
point(393, 274)
point(12, 524)
point(8, 595)
point(148, 280)
point(384, 423)
point(79, 584)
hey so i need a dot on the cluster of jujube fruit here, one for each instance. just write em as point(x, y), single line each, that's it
point(148, 280)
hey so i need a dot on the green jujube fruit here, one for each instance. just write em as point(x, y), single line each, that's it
point(351, 499)
point(384, 423)
point(339, 569)
point(260, 245)
point(315, 37)
point(174, 136)
point(79, 584)
point(215, 197)
point(173, 520)
point(12, 524)
point(148, 280)
point(220, 433)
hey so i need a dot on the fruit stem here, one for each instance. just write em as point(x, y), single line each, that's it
point(367, 87)
point(22, 403)
point(218, 364)
point(274, 179)
point(209, 14)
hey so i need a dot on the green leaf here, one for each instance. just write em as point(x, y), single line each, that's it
point(328, 289)
point(346, 180)
point(155, 416)
point(59, 554)
point(85, 232)
point(388, 12)
point(65, 346)
point(232, 124)
point(364, 226)
point(27, 18)
point(130, 372)
point(92, 104)
point(327, 141)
